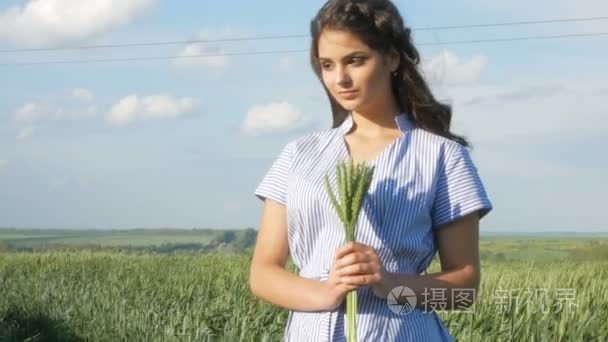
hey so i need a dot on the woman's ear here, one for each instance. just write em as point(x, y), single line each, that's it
point(393, 59)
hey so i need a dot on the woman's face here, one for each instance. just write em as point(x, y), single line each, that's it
point(356, 76)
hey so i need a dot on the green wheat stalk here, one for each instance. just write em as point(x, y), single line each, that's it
point(353, 183)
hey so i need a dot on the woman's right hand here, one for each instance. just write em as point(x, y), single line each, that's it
point(334, 291)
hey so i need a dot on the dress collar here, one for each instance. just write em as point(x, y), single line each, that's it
point(403, 122)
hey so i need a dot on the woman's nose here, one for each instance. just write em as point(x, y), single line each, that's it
point(342, 77)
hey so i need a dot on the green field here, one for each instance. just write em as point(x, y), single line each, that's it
point(33, 238)
point(108, 295)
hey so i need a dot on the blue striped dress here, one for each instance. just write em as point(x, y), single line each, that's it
point(421, 182)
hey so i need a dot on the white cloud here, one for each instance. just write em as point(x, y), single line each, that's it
point(30, 112)
point(124, 111)
point(83, 95)
point(3, 163)
point(448, 69)
point(157, 107)
point(47, 23)
point(277, 117)
point(162, 106)
point(194, 49)
point(528, 108)
point(511, 93)
point(79, 104)
point(72, 106)
point(25, 133)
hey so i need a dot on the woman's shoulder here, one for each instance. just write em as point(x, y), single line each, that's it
point(432, 143)
point(441, 152)
point(311, 141)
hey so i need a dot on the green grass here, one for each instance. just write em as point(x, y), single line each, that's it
point(532, 316)
point(544, 249)
point(113, 296)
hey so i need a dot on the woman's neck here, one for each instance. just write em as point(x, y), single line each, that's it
point(375, 122)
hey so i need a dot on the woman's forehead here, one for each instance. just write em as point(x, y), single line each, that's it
point(338, 43)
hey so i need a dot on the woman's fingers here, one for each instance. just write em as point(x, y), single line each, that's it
point(358, 265)
point(359, 268)
point(352, 258)
point(359, 280)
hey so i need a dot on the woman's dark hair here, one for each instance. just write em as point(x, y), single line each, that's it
point(379, 25)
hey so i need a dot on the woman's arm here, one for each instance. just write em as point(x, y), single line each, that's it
point(269, 280)
point(458, 246)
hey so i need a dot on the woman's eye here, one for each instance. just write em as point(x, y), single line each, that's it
point(358, 60)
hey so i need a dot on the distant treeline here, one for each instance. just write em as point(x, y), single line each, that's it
point(225, 241)
point(149, 230)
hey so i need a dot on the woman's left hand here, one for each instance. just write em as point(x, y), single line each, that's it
point(359, 264)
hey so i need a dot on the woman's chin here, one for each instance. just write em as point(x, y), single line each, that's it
point(350, 105)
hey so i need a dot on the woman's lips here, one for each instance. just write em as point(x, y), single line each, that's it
point(350, 94)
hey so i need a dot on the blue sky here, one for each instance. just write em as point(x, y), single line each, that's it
point(184, 142)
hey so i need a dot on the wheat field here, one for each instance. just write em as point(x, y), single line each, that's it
point(100, 296)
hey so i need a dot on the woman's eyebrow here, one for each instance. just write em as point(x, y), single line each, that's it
point(323, 59)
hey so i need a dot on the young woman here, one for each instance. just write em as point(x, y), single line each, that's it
point(425, 197)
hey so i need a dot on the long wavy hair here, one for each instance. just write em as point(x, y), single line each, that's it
point(379, 25)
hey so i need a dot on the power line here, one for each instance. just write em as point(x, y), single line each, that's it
point(519, 38)
point(245, 53)
point(183, 42)
point(172, 42)
point(515, 23)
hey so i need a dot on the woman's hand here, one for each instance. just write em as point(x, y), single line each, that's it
point(354, 265)
point(334, 290)
point(359, 265)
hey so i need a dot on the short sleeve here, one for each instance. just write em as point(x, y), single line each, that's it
point(274, 183)
point(459, 189)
